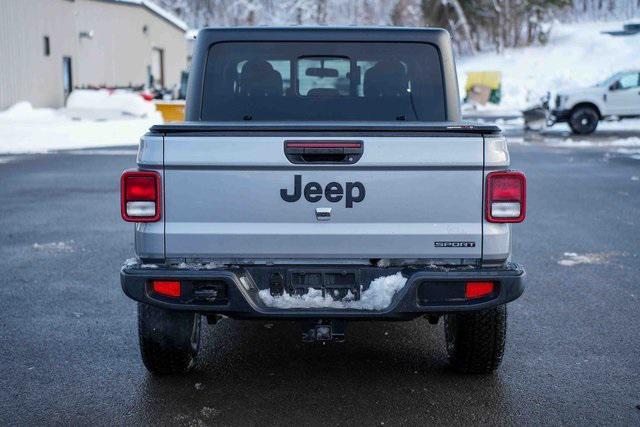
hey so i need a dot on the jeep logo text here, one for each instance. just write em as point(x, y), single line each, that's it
point(353, 192)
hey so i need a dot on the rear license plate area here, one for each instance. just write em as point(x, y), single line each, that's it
point(338, 284)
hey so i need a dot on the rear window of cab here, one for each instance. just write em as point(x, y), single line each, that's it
point(323, 81)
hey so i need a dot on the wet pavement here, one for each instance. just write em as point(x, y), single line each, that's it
point(68, 342)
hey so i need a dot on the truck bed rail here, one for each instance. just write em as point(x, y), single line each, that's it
point(397, 128)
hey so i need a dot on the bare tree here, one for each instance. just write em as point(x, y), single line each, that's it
point(474, 25)
point(461, 22)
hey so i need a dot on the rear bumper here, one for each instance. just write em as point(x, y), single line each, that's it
point(422, 293)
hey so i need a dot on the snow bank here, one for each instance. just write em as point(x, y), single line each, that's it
point(23, 112)
point(122, 101)
point(626, 147)
point(24, 129)
point(570, 143)
point(606, 125)
point(577, 55)
point(377, 297)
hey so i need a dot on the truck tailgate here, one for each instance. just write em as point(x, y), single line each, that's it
point(421, 198)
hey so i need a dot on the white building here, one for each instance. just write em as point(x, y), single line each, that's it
point(50, 47)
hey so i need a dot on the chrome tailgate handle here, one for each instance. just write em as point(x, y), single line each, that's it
point(323, 214)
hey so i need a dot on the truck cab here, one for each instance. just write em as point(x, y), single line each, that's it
point(323, 175)
point(617, 97)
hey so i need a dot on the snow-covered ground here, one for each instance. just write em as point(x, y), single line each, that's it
point(604, 126)
point(616, 147)
point(576, 142)
point(92, 119)
point(576, 55)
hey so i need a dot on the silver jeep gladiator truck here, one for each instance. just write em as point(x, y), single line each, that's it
point(322, 175)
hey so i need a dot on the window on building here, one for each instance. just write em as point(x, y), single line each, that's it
point(47, 46)
point(67, 76)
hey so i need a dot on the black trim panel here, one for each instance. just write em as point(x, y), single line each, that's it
point(326, 128)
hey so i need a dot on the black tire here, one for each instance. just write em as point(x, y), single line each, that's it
point(583, 120)
point(475, 340)
point(169, 340)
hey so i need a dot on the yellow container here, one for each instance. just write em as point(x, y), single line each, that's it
point(490, 79)
point(172, 111)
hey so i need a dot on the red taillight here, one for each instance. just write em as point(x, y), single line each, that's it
point(478, 289)
point(506, 196)
point(168, 288)
point(140, 196)
point(140, 188)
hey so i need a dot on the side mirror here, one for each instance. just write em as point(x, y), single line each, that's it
point(615, 85)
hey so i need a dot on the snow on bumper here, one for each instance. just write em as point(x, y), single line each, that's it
point(377, 296)
point(387, 292)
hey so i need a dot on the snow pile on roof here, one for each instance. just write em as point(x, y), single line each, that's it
point(191, 34)
point(577, 55)
point(123, 101)
point(159, 11)
point(377, 297)
point(24, 129)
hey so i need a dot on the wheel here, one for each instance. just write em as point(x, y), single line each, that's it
point(169, 340)
point(583, 120)
point(475, 340)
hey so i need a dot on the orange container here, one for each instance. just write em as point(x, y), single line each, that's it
point(172, 111)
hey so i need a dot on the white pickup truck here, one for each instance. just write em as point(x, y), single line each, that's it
point(616, 97)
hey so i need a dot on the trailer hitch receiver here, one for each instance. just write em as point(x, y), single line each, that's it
point(324, 331)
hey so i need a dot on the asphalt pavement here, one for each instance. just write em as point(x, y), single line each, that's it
point(68, 337)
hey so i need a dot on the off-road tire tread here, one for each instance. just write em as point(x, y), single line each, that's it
point(480, 340)
point(165, 340)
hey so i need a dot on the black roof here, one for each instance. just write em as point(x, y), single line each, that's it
point(327, 33)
